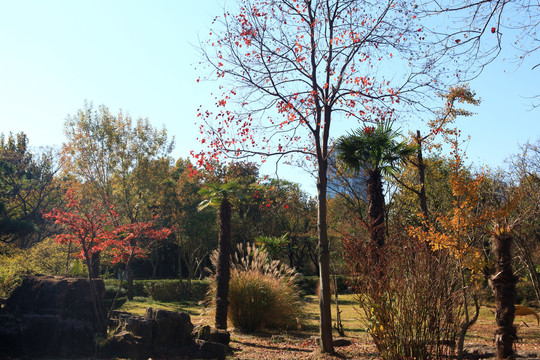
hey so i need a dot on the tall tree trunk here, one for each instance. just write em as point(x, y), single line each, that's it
point(223, 274)
point(96, 301)
point(376, 218)
point(325, 295)
point(129, 272)
point(95, 265)
point(129, 280)
point(504, 285)
point(422, 179)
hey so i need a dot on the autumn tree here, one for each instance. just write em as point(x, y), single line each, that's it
point(120, 161)
point(292, 68)
point(87, 224)
point(442, 126)
point(462, 232)
point(133, 240)
point(477, 30)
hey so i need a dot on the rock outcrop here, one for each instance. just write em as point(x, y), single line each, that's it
point(50, 316)
point(159, 333)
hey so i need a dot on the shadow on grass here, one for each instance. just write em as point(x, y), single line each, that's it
point(271, 347)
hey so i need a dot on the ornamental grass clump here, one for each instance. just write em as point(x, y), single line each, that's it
point(263, 293)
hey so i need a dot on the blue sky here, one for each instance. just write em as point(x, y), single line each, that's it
point(138, 56)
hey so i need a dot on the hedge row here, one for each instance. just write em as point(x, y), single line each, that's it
point(173, 290)
point(162, 289)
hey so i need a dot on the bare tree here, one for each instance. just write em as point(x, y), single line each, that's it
point(290, 69)
point(475, 29)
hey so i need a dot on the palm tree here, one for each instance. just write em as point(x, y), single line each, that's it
point(218, 195)
point(504, 287)
point(375, 151)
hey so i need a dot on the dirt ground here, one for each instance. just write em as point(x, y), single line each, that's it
point(304, 345)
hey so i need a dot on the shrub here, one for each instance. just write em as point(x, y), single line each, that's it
point(411, 296)
point(262, 292)
point(13, 268)
point(165, 289)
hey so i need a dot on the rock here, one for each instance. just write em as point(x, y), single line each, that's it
point(219, 336)
point(126, 345)
point(157, 333)
point(139, 326)
point(202, 332)
point(55, 295)
point(170, 328)
point(479, 350)
point(49, 316)
point(209, 350)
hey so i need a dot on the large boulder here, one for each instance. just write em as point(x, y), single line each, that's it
point(159, 333)
point(50, 316)
point(55, 295)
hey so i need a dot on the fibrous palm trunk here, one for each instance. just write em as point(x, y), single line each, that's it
point(223, 273)
point(504, 286)
point(376, 216)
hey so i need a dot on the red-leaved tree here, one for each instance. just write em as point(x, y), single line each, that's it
point(132, 241)
point(89, 227)
point(94, 227)
point(289, 69)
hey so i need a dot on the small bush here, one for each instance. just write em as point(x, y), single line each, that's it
point(11, 274)
point(262, 292)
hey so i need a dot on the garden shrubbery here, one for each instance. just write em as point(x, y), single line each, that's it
point(263, 293)
point(412, 298)
point(166, 289)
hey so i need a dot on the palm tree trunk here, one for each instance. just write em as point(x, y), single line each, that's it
point(223, 273)
point(376, 216)
point(504, 285)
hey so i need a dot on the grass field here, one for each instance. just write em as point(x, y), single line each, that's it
point(300, 344)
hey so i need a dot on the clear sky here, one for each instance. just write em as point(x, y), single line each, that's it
point(137, 56)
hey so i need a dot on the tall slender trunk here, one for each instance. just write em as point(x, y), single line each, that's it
point(95, 263)
point(325, 295)
point(223, 274)
point(96, 301)
point(422, 179)
point(376, 218)
point(504, 285)
point(129, 280)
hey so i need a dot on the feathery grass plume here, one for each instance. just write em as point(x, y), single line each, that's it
point(262, 292)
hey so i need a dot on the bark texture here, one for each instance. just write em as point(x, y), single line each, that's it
point(376, 216)
point(504, 286)
point(325, 296)
point(223, 273)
